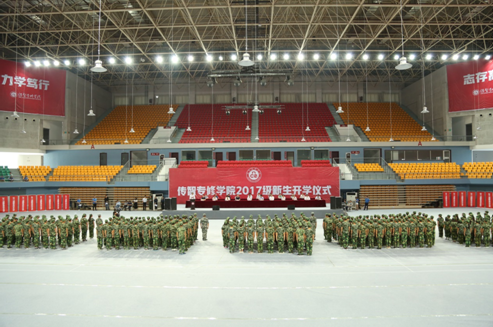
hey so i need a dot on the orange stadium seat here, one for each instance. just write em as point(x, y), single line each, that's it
point(404, 128)
point(35, 173)
point(84, 173)
point(441, 170)
point(115, 127)
point(142, 169)
point(478, 169)
point(368, 167)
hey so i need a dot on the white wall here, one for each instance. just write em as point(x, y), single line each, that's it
point(14, 159)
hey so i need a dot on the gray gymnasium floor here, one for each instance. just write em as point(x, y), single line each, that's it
point(448, 285)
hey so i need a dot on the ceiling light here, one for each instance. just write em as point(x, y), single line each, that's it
point(82, 62)
point(128, 60)
point(190, 58)
point(273, 56)
point(208, 58)
point(396, 57)
point(433, 138)
point(429, 56)
point(220, 58)
point(285, 56)
point(234, 57)
point(255, 108)
point(132, 130)
point(27, 64)
point(367, 129)
point(289, 81)
point(98, 67)
point(349, 56)
point(476, 57)
point(488, 57)
point(169, 141)
point(333, 56)
point(174, 59)
point(465, 57)
point(56, 63)
point(189, 129)
point(366, 56)
point(246, 62)
point(237, 81)
point(126, 141)
point(301, 57)
point(381, 56)
point(66, 62)
point(212, 139)
point(307, 129)
point(247, 128)
point(339, 110)
point(425, 110)
point(91, 113)
point(76, 131)
point(262, 81)
point(159, 59)
point(171, 111)
point(391, 140)
point(403, 64)
point(303, 139)
point(445, 57)
point(84, 141)
point(15, 114)
point(37, 63)
point(455, 57)
point(256, 138)
point(316, 56)
point(46, 63)
point(423, 128)
point(412, 56)
point(348, 139)
point(259, 56)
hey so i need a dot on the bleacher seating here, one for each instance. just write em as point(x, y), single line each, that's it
point(290, 125)
point(368, 167)
point(142, 169)
point(404, 127)
point(478, 169)
point(193, 164)
point(449, 170)
point(5, 172)
point(315, 163)
point(256, 163)
point(226, 128)
point(34, 173)
point(84, 173)
point(115, 127)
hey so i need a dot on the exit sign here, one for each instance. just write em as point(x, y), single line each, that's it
point(154, 153)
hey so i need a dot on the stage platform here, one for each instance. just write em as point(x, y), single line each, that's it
point(238, 212)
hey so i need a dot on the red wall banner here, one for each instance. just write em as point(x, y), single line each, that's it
point(323, 181)
point(66, 201)
point(462, 199)
point(453, 199)
point(489, 199)
point(446, 199)
point(50, 198)
point(4, 204)
point(480, 200)
point(41, 202)
point(14, 203)
point(33, 87)
point(58, 202)
point(22, 203)
point(470, 85)
point(471, 199)
point(31, 203)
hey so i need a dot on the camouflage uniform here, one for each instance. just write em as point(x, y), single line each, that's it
point(204, 226)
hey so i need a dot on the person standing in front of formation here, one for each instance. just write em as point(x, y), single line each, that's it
point(144, 203)
point(310, 237)
point(367, 202)
point(91, 226)
point(94, 203)
point(204, 225)
point(136, 204)
point(99, 235)
point(83, 227)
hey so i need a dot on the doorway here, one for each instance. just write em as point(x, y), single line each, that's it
point(276, 155)
point(231, 156)
point(348, 158)
point(468, 132)
point(218, 157)
point(124, 158)
point(175, 155)
point(46, 135)
point(103, 159)
point(335, 156)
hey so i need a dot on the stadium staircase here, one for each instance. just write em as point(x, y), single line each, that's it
point(418, 120)
point(90, 127)
point(177, 114)
point(333, 134)
point(254, 128)
point(334, 113)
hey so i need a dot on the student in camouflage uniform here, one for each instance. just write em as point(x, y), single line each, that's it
point(241, 235)
point(280, 238)
point(232, 237)
point(250, 230)
point(99, 234)
point(260, 236)
point(84, 227)
point(224, 232)
point(76, 224)
point(181, 235)
point(52, 234)
point(300, 238)
point(309, 238)
point(204, 226)
point(441, 225)
point(91, 226)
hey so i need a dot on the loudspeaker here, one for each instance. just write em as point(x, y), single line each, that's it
point(338, 203)
point(167, 204)
point(216, 207)
point(291, 207)
point(173, 204)
point(332, 202)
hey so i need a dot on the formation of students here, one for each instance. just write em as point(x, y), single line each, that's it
point(467, 229)
point(43, 232)
point(152, 233)
point(392, 231)
point(293, 233)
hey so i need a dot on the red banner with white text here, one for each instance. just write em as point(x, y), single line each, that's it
point(50, 199)
point(22, 203)
point(31, 201)
point(4, 204)
point(489, 199)
point(323, 181)
point(471, 199)
point(41, 202)
point(446, 199)
point(14, 203)
point(462, 199)
point(66, 201)
point(470, 85)
point(480, 200)
point(58, 202)
point(33, 90)
point(453, 199)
